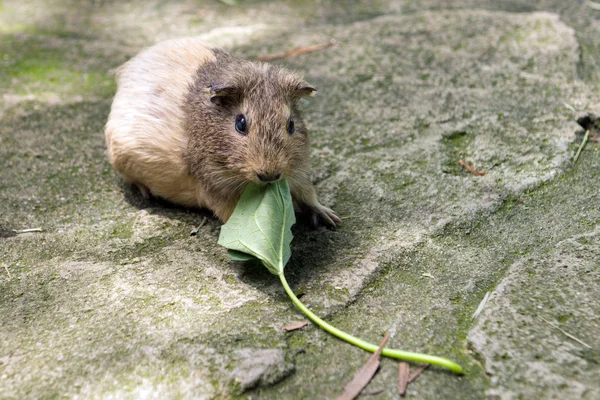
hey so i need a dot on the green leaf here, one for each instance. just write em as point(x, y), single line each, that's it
point(239, 256)
point(260, 225)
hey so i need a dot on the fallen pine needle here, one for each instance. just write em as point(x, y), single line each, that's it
point(481, 305)
point(7, 271)
point(403, 377)
point(295, 325)
point(18, 232)
point(567, 334)
point(570, 107)
point(471, 169)
point(363, 376)
point(417, 373)
point(302, 50)
point(582, 145)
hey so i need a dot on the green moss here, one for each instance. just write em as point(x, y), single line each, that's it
point(230, 279)
point(122, 230)
point(39, 65)
point(564, 318)
point(456, 146)
point(297, 340)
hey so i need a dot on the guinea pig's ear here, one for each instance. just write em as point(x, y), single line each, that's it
point(304, 90)
point(221, 94)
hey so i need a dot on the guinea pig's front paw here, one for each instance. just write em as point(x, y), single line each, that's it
point(146, 194)
point(321, 215)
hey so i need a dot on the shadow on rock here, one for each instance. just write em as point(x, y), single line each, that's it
point(313, 250)
point(164, 208)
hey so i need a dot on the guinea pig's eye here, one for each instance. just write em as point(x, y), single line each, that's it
point(240, 124)
point(290, 127)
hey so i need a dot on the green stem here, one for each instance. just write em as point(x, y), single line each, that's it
point(403, 355)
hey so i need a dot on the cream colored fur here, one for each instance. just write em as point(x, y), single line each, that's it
point(145, 133)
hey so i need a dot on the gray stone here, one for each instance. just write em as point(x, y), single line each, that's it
point(515, 336)
point(259, 367)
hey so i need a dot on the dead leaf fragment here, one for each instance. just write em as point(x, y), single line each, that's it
point(299, 51)
point(403, 377)
point(363, 376)
point(295, 326)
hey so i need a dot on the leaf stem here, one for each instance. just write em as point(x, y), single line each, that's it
point(399, 354)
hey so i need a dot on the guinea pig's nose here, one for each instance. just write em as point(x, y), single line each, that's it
point(269, 177)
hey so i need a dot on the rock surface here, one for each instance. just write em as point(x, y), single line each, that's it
point(115, 298)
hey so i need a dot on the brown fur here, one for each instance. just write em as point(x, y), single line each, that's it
point(218, 160)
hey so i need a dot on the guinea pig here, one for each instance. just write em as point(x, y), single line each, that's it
point(194, 125)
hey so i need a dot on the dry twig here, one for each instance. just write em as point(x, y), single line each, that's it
point(302, 50)
point(471, 169)
point(417, 373)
